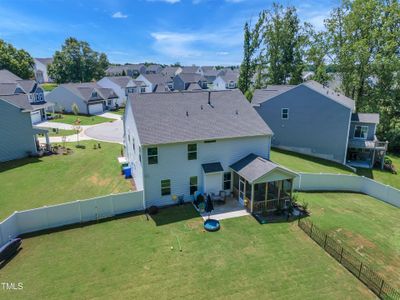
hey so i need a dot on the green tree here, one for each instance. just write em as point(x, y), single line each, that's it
point(17, 61)
point(77, 62)
point(75, 109)
point(284, 42)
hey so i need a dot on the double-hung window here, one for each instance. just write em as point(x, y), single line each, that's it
point(152, 156)
point(285, 113)
point(192, 151)
point(193, 184)
point(165, 187)
point(360, 132)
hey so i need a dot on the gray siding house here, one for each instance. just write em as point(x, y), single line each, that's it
point(308, 118)
point(189, 81)
point(18, 137)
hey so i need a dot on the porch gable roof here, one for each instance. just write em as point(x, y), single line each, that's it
point(253, 167)
point(212, 167)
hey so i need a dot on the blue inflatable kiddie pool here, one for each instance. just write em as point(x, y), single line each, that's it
point(211, 225)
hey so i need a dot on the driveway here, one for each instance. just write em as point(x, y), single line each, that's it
point(107, 132)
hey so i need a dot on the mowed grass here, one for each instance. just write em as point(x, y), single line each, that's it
point(133, 258)
point(305, 163)
point(34, 182)
point(384, 176)
point(120, 111)
point(61, 132)
point(48, 87)
point(367, 225)
point(84, 119)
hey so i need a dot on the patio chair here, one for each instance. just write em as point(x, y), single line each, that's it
point(223, 196)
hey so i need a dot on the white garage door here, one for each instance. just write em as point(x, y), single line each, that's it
point(35, 117)
point(95, 108)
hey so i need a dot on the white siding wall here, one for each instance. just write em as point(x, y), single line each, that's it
point(65, 98)
point(132, 154)
point(107, 83)
point(149, 85)
point(219, 84)
point(174, 165)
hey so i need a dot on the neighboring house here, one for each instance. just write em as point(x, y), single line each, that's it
point(192, 69)
point(155, 82)
point(189, 81)
point(228, 80)
point(308, 118)
point(153, 69)
point(132, 70)
point(307, 75)
point(180, 143)
point(10, 84)
point(90, 98)
point(19, 138)
point(171, 71)
point(40, 69)
point(210, 73)
point(122, 86)
point(364, 149)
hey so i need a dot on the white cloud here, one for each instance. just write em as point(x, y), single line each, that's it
point(222, 53)
point(119, 15)
point(166, 1)
point(234, 1)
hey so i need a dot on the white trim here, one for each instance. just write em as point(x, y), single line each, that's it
point(347, 139)
point(282, 118)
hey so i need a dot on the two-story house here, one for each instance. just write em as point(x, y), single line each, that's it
point(180, 143)
point(312, 119)
point(225, 81)
point(40, 69)
point(10, 84)
point(189, 81)
point(155, 82)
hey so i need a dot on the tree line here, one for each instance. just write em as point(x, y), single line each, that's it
point(360, 42)
point(75, 62)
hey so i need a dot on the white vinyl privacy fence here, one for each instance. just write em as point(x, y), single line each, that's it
point(75, 212)
point(352, 183)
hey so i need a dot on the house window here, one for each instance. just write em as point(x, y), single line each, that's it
point(227, 180)
point(94, 94)
point(193, 184)
point(143, 90)
point(109, 102)
point(361, 132)
point(152, 156)
point(285, 113)
point(192, 151)
point(133, 144)
point(165, 187)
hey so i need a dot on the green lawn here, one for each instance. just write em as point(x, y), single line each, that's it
point(120, 111)
point(85, 120)
point(48, 87)
point(34, 182)
point(305, 163)
point(133, 258)
point(61, 132)
point(363, 223)
point(384, 176)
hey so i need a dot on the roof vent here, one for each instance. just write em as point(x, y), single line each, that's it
point(237, 112)
point(209, 99)
point(187, 114)
point(201, 107)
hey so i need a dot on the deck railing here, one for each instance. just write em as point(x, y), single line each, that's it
point(270, 204)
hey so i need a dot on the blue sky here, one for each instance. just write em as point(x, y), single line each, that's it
point(199, 32)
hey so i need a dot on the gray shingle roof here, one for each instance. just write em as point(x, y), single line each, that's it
point(191, 77)
point(156, 78)
point(275, 90)
point(27, 85)
point(193, 86)
point(365, 118)
point(8, 88)
point(19, 100)
point(253, 167)
point(169, 71)
point(189, 69)
point(121, 81)
point(7, 76)
point(212, 167)
point(331, 94)
point(269, 92)
point(230, 76)
point(84, 90)
point(163, 118)
point(45, 61)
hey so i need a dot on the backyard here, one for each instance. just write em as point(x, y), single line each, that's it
point(367, 225)
point(136, 258)
point(85, 120)
point(34, 182)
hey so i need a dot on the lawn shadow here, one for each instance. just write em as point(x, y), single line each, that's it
point(173, 214)
point(365, 172)
point(13, 164)
point(5, 262)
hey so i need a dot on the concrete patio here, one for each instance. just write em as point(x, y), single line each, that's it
point(231, 209)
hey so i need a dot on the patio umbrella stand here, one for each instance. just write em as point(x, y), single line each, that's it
point(210, 224)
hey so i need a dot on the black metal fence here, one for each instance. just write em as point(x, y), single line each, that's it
point(365, 274)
